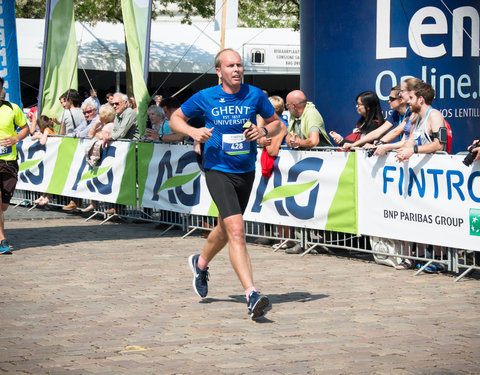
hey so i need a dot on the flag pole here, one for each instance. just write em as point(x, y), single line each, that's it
point(44, 54)
point(222, 32)
point(147, 44)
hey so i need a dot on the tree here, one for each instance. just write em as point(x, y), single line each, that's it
point(251, 13)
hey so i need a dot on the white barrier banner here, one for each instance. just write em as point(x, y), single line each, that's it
point(306, 189)
point(36, 164)
point(170, 179)
point(104, 182)
point(60, 167)
point(431, 199)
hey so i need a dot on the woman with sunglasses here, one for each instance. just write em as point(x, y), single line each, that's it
point(395, 138)
point(390, 128)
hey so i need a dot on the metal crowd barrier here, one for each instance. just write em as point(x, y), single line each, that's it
point(453, 260)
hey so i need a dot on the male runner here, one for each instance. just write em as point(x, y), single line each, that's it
point(10, 115)
point(230, 155)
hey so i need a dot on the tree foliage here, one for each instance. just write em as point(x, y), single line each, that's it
point(251, 13)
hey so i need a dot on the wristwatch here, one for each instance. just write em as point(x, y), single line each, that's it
point(415, 149)
point(266, 131)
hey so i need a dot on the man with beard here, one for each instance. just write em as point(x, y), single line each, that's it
point(429, 133)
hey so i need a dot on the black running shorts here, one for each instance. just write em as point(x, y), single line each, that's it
point(8, 178)
point(229, 191)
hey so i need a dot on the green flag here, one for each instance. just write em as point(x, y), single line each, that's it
point(59, 63)
point(136, 23)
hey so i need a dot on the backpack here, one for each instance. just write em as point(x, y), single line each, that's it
point(449, 137)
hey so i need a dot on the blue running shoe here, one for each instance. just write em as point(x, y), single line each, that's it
point(5, 247)
point(200, 277)
point(257, 303)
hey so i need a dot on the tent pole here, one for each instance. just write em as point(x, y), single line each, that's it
point(222, 32)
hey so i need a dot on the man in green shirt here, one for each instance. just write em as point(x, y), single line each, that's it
point(306, 127)
point(10, 115)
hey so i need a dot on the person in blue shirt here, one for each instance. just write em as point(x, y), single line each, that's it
point(230, 134)
point(400, 112)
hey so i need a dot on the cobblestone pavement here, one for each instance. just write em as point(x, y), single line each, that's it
point(79, 298)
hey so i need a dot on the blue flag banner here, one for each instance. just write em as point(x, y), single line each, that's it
point(9, 52)
point(352, 46)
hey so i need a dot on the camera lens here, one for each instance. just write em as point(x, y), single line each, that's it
point(469, 158)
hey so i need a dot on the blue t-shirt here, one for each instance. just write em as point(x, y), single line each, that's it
point(164, 129)
point(396, 119)
point(284, 119)
point(226, 151)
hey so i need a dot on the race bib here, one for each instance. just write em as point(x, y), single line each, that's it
point(5, 150)
point(235, 144)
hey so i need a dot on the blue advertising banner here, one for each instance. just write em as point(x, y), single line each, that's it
point(352, 46)
point(9, 52)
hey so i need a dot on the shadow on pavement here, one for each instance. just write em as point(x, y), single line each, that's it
point(23, 238)
point(274, 298)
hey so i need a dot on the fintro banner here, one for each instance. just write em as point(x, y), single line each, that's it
point(432, 199)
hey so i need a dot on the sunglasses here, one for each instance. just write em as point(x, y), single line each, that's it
point(87, 112)
point(392, 99)
point(116, 103)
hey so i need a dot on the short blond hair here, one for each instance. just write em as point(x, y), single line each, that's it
point(411, 83)
point(277, 103)
point(107, 113)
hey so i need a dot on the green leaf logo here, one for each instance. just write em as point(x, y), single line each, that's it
point(28, 164)
point(287, 191)
point(95, 172)
point(474, 222)
point(175, 181)
point(213, 210)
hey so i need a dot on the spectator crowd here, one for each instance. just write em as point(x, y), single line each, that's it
point(412, 126)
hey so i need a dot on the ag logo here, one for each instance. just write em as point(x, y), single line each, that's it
point(174, 183)
point(284, 194)
point(26, 163)
point(91, 175)
point(474, 222)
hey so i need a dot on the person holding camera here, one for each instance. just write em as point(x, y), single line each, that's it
point(429, 132)
point(473, 154)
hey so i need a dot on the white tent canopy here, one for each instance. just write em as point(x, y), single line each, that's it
point(174, 47)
